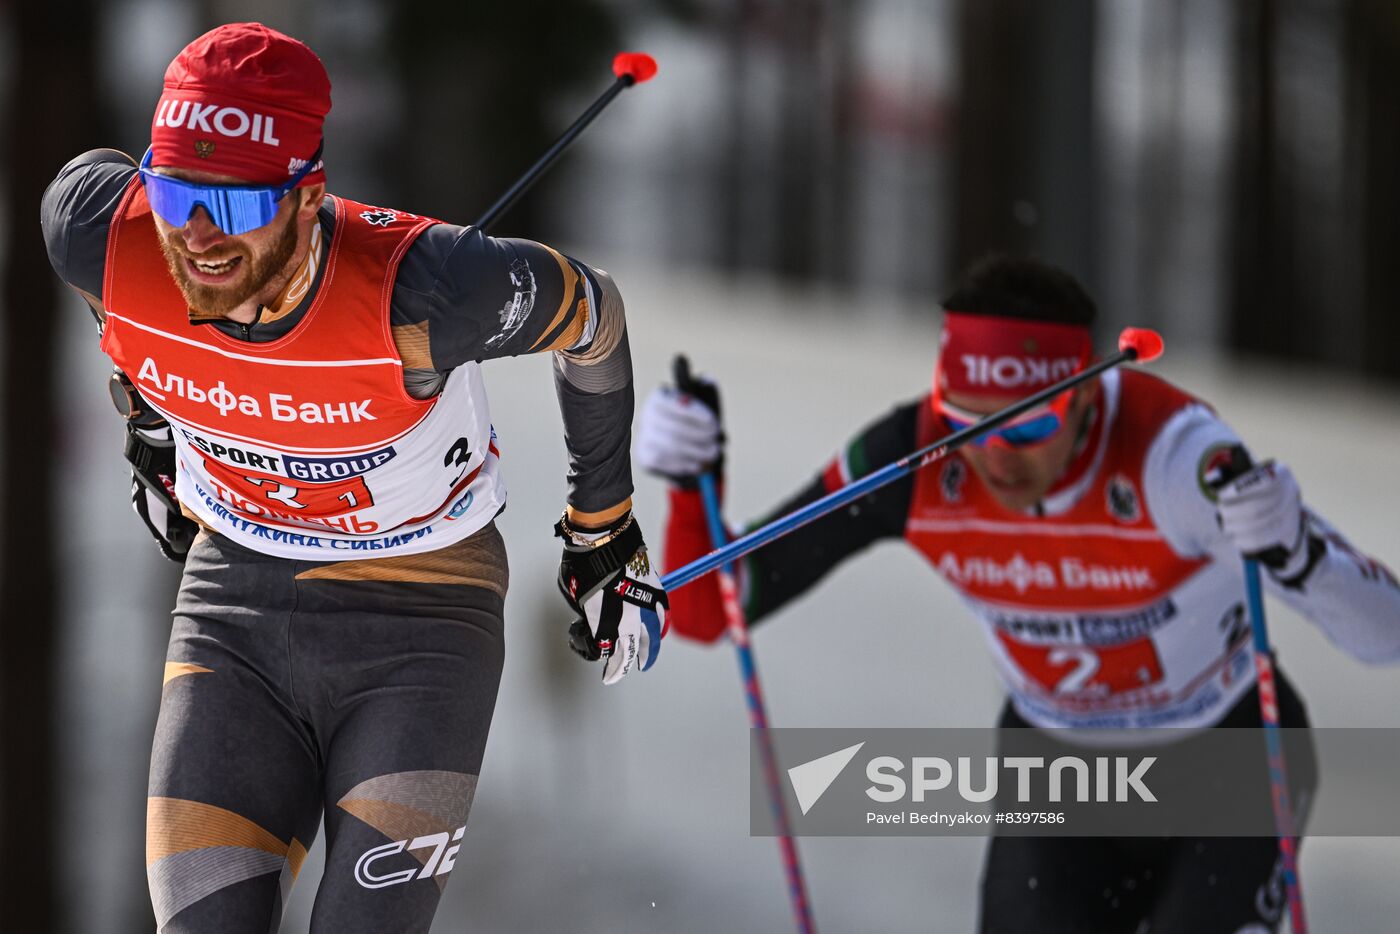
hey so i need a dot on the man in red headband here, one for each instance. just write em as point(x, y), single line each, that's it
point(1101, 560)
point(309, 432)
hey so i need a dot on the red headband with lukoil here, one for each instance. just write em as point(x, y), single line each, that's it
point(989, 355)
point(242, 100)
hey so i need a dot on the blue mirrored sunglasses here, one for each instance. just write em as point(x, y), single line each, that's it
point(234, 209)
point(1038, 426)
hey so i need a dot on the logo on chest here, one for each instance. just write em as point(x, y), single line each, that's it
point(1096, 629)
point(1018, 573)
point(1122, 499)
point(220, 398)
point(951, 480)
point(379, 217)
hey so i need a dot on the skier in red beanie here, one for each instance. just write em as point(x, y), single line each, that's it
point(309, 433)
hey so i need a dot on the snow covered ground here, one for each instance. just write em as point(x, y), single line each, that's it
point(626, 809)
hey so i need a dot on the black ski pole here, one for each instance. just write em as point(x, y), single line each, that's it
point(631, 68)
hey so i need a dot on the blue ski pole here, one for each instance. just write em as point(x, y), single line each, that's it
point(1273, 737)
point(738, 629)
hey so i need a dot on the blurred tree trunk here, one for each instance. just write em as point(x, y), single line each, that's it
point(1260, 294)
point(1314, 241)
point(730, 174)
point(839, 262)
point(802, 157)
point(1373, 41)
point(1025, 177)
point(995, 115)
point(1160, 194)
point(486, 89)
point(51, 114)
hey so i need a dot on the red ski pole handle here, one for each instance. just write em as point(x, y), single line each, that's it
point(630, 68)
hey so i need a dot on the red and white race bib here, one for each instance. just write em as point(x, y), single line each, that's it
point(307, 446)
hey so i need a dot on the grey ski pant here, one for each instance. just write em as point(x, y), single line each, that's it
point(362, 690)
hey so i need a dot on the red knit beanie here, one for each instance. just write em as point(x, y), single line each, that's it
point(243, 100)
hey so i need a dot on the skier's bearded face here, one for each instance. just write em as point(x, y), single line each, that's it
point(1019, 477)
point(218, 273)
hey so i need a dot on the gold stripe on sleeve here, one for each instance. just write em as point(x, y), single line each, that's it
point(570, 281)
point(570, 335)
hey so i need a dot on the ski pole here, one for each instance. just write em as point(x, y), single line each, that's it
point(1273, 737)
point(738, 629)
point(631, 68)
point(1238, 463)
point(1133, 344)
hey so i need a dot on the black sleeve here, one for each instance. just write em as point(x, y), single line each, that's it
point(76, 211)
point(473, 297)
point(785, 568)
point(481, 297)
point(598, 438)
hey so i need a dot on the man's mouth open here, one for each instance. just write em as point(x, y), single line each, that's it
point(213, 273)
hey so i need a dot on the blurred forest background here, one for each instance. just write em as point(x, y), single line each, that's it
point(798, 171)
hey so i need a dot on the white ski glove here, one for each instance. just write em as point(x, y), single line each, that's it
point(1261, 511)
point(679, 435)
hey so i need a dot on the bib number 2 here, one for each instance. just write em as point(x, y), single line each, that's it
point(1085, 670)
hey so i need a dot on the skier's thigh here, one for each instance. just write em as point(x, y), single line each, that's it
point(401, 772)
point(234, 799)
